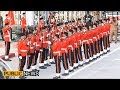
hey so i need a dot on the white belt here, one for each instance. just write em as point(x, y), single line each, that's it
point(63, 48)
point(31, 47)
point(23, 50)
point(58, 52)
point(85, 41)
point(7, 36)
point(94, 37)
point(90, 39)
point(37, 45)
point(70, 46)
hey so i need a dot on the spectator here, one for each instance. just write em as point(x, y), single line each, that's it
point(113, 29)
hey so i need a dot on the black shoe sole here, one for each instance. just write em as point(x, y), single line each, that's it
point(76, 67)
point(65, 74)
point(80, 65)
point(87, 63)
point(43, 67)
point(71, 70)
point(56, 78)
point(47, 65)
point(8, 60)
point(52, 63)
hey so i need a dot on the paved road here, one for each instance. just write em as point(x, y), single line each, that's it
point(107, 66)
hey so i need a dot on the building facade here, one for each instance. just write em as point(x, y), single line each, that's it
point(32, 17)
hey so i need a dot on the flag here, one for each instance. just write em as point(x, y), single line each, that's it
point(11, 16)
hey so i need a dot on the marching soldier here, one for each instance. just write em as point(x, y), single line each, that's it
point(105, 35)
point(23, 24)
point(86, 44)
point(31, 51)
point(64, 52)
point(79, 43)
point(56, 48)
point(7, 39)
point(22, 53)
point(43, 52)
point(70, 51)
point(101, 37)
point(37, 48)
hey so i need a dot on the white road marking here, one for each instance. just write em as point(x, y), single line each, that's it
point(74, 73)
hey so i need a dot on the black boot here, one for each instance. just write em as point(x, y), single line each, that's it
point(8, 59)
point(65, 74)
point(47, 64)
point(57, 77)
point(42, 67)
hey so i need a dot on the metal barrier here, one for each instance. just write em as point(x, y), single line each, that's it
point(4, 67)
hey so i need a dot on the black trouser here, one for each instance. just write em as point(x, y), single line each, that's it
point(97, 46)
point(36, 57)
point(86, 50)
point(57, 62)
point(42, 55)
point(51, 54)
point(7, 48)
point(75, 55)
point(11, 33)
point(71, 57)
point(80, 54)
point(1, 34)
point(65, 62)
point(46, 53)
point(105, 42)
point(101, 44)
point(30, 60)
point(94, 48)
point(91, 49)
point(22, 63)
point(108, 41)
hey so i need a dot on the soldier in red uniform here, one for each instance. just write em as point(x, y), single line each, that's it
point(64, 52)
point(106, 35)
point(31, 54)
point(40, 24)
point(23, 24)
point(70, 51)
point(22, 53)
point(56, 48)
point(7, 39)
point(79, 43)
point(7, 20)
point(101, 37)
point(86, 44)
point(91, 46)
point(104, 29)
point(75, 47)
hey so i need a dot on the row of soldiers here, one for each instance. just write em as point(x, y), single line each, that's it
point(64, 42)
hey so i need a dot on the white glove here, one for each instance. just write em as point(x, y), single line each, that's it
point(20, 57)
point(49, 42)
point(28, 43)
point(41, 50)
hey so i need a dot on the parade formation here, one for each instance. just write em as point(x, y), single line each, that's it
point(59, 42)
